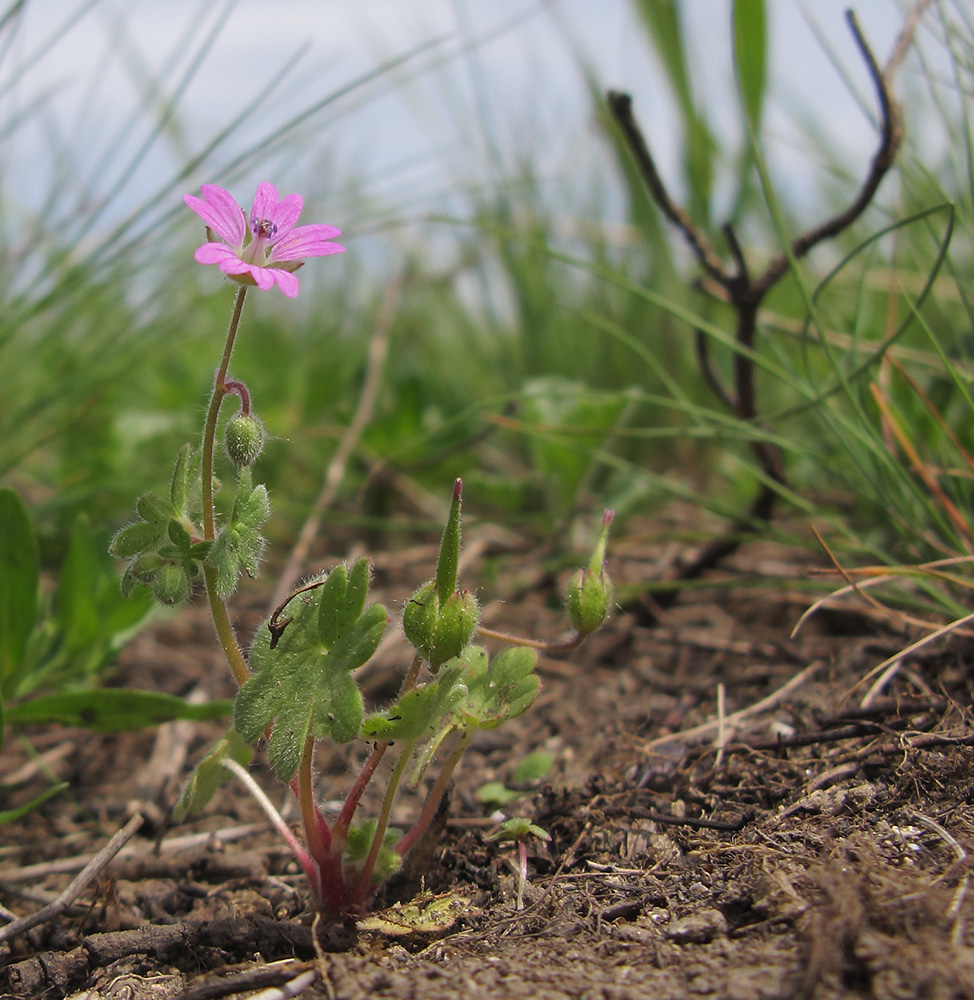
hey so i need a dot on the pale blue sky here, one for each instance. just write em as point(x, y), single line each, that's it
point(409, 140)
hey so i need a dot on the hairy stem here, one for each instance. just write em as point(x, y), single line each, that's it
point(340, 829)
point(540, 644)
point(344, 821)
point(363, 886)
point(316, 832)
point(218, 611)
point(435, 795)
point(307, 863)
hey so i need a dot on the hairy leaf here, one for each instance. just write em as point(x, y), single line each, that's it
point(342, 599)
point(420, 712)
point(497, 689)
point(241, 544)
point(303, 686)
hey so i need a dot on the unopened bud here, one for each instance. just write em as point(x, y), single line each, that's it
point(589, 600)
point(440, 633)
point(455, 625)
point(590, 590)
point(244, 439)
point(146, 566)
point(170, 584)
point(419, 616)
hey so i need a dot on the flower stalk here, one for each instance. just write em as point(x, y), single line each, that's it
point(297, 683)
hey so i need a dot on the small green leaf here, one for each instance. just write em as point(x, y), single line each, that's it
point(497, 689)
point(419, 713)
point(110, 710)
point(495, 793)
point(254, 508)
point(134, 539)
point(342, 600)
point(153, 509)
point(179, 536)
point(534, 767)
point(240, 544)
point(519, 828)
point(360, 641)
point(210, 774)
point(200, 550)
point(19, 573)
point(330, 606)
point(179, 486)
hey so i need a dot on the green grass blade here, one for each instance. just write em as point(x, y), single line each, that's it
point(751, 56)
point(12, 815)
point(112, 710)
point(19, 573)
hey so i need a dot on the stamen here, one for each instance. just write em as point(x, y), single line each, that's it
point(263, 227)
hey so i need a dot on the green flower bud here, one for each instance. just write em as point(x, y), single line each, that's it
point(455, 625)
point(438, 634)
point(589, 600)
point(170, 584)
point(419, 616)
point(590, 590)
point(146, 566)
point(244, 439)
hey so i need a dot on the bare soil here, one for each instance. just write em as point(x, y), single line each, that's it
point(808, 847)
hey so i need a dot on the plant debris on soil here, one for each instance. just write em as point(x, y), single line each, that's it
point(728, 818)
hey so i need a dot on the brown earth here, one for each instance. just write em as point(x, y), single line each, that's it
point(809, 847)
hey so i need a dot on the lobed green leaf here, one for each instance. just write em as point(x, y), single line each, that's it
point(420, 712)
point(342, 600)
point(303, 686)
point(497, 689)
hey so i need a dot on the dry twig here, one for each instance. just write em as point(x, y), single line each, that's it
point(88, 874)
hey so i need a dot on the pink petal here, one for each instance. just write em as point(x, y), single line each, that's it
point(232, 264)
point(265, 202)
point(307, 241)
point(220, 212)
point(262, 275)
point(286, 281)
point(286, 214)
point(213, 253)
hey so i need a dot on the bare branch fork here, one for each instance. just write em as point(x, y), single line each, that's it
point(745, 292)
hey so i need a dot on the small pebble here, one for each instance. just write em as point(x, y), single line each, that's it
point(697, 928)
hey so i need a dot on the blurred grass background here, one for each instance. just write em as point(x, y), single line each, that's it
point(542, 341)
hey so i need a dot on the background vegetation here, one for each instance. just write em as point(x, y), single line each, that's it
point(535, 346)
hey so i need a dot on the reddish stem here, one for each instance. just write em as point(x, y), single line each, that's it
point(340, 829)
point(317, 834)
point(435, 796)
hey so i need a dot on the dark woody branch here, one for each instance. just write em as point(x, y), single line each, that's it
point(745, 293)
point(891, 134)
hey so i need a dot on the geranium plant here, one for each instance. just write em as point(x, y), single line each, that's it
point(297, 684)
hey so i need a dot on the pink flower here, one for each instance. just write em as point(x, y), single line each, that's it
point(268, 248)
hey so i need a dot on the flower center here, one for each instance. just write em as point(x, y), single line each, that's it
point(264, 232)
point(264, 227)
